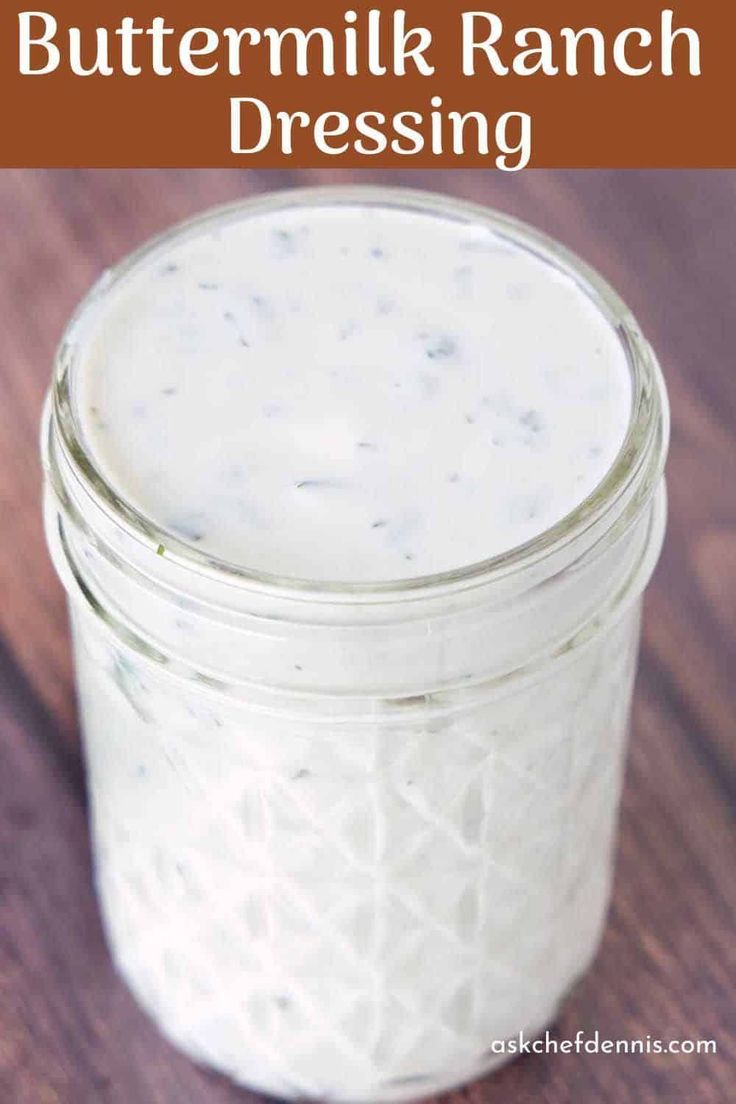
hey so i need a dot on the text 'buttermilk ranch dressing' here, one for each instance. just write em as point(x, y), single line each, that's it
point(353, 788)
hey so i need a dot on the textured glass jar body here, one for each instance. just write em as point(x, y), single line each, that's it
point(354, 909)
point(346, 840)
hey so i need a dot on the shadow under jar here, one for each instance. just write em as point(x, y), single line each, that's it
point(350, 835)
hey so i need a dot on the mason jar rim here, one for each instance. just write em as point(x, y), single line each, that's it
point(641, 453)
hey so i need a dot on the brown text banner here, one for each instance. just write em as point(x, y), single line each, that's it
point(523, 82)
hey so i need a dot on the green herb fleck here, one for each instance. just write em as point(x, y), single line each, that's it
point(444, 347)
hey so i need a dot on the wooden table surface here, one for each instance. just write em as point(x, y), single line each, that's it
point(69, 1031)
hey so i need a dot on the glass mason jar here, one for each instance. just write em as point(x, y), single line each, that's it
point(349, 838)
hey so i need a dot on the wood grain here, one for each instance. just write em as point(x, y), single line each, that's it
point(69, 1032)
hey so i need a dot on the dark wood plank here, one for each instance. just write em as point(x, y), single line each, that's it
point(69, 1033)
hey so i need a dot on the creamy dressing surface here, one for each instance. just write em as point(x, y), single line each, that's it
point(352, 392)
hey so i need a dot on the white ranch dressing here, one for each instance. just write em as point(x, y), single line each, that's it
point(353, 392)
point(345, 845)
